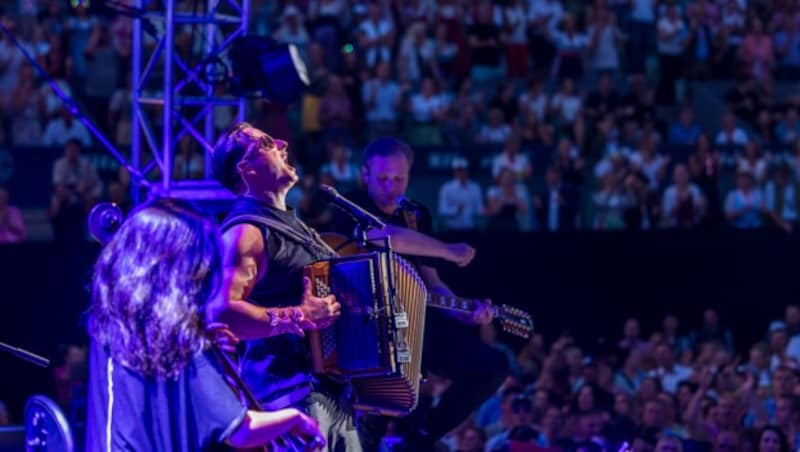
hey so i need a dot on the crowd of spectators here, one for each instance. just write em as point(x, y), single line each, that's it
point(672, 390)
point(567, 114)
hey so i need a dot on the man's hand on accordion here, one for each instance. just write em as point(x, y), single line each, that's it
point(321, 311)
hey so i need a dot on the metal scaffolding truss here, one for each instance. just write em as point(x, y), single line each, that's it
point(174, 94)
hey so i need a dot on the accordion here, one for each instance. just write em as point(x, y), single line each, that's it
point(376, 344)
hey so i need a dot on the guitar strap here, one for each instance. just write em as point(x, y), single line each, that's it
point(410, 218)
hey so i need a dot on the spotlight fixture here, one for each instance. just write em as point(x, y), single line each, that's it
point(264, 68)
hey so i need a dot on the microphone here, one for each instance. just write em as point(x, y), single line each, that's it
point(405, 203)
point(362, 216)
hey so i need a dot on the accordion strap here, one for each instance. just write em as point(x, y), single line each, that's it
point(410, 218)
point(312, 237)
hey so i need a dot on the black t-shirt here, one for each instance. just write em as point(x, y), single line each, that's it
point(345, 225)
point(196, 411)
point(485, 56)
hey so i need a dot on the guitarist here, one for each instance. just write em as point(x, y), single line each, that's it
point(271, 304)
point(452, 349)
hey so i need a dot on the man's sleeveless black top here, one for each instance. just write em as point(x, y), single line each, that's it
point(278, 369)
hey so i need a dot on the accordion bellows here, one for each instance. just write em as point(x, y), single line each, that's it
point(376, 344)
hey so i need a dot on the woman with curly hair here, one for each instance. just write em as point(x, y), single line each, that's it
point(156, 383)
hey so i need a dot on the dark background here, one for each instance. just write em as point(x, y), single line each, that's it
point(586, 282)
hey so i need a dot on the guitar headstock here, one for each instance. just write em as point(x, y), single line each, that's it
point(515, 321)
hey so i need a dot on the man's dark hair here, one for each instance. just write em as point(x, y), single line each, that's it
point(385, 147)
point(228, 151)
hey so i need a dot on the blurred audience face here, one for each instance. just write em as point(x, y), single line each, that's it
point(670, 324)
point(783, 381)
point(495, 117)
point(641, 445)
point(622, 405)
point(511, 146)
point(384, 71)
point(727, 413)
point(664, 356)
point(684, 396)
point(669, 444)
point(551, 423)
point(792, 315)
point(649, 389)
point(687, 116)
point(427, 88)
point(726, 441)
point(540, 400)
point(769, 442)
point(552, 177)
point(653, 414)
point(585, 399)
point(573, 357)
point(72, 151)
point(470, 440)
point(631, 329)
point(507, 181)
point(680, 175)
point(783, 412)
point(778, 340)
point(759, 357)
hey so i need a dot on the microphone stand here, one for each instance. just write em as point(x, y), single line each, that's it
point(25, 355)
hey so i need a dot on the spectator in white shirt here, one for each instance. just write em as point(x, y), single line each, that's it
point(604, 38)
point(427, 106)
point(376, 36)
point(543, 18)
point(534, 100)
point(682, 204)
point(511, 19)
point(417, 53)
point(512, 159)
point(76, 188)
point(753, 162)
point(650, 162)
point(567, 106)
point(382, 98)
point(670, 372)
point(643, 33)
point(671, 41)
point(460, 199)
point(292, 30)
point(496, 131)
point(64, 128)
point(782, 199)
point(345, 174)
point(571, 45)
point(730, 135)
point(508, 205)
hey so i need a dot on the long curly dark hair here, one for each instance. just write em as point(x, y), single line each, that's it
point(151, 285)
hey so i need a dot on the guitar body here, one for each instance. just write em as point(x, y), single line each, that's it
point(342, 245)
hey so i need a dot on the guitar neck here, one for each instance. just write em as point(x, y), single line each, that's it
point(458, 304)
